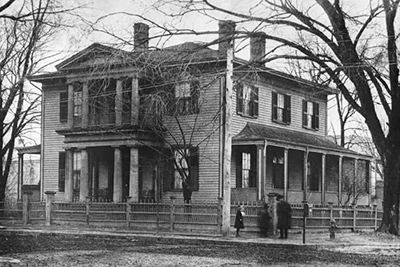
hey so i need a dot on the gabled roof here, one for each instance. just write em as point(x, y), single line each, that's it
point(258, 132)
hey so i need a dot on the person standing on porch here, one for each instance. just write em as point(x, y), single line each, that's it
point(284, 213)
point(239, 220)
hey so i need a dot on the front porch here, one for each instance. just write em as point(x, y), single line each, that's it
point(299, 166)
point(110, 174)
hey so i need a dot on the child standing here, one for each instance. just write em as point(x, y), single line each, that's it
point(239, 220)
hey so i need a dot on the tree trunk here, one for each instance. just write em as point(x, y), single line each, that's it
point(391, 169)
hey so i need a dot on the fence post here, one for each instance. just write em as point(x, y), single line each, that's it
point(376, 217)
point(219, 215)
point(87, 209)
point(128, 211)
point(354, 206)
point(172, 212)
point(26, 206)
point(330, 204)
point(49, 202)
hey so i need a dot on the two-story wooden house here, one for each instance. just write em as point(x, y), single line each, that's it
point(106, 128)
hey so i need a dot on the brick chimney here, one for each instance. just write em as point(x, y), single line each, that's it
point(226, 32)
point(141, 36)
point(257, 47)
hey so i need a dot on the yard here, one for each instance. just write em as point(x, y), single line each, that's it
point(56, 249)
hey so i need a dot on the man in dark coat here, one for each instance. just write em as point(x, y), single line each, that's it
point(284, 213)
point(264, 220)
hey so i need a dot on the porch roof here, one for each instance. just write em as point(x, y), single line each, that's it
point(253, 132)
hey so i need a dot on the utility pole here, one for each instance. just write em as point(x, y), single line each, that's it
point(226, 206)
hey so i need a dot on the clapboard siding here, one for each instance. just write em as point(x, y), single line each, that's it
point(206, 133)
point(265, 109)
point(52, 142)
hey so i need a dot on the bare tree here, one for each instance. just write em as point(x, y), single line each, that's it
point(344, 42)
point(27, 27)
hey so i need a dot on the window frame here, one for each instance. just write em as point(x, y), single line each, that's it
point(286, 110)
point(188, 103)
point(170, 170)
point(63, 112)
point(312, 118)
point(252, 179)
point(247, 107)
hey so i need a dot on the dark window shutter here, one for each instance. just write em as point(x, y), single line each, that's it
point(195, 95)
point(63, 106)
point(194, 168)
point(304, 113)
point(239, 169)
point(274, 106)
point(168, 172)
point(254, 101)
point(315, 119)
point(61, 172)
point(239, 104)
point(287, 111)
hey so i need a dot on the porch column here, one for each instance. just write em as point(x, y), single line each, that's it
point(285, 172)
point(118, 103)
point(260, 172)
point(85, 105)
point(135, 100)
point(117, 194)
point(369, 173)
point(84, 181)
point(340, 180)
point(354, 180)
point(20, 175)
point(305, 175)
point(134, 175)
point(69, 175)
point(70, 116)
point(323, 177)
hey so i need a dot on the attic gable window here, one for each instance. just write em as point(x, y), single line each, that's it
point(187, 97)
point(310, 115)
point(247, 100)
point(281, 108)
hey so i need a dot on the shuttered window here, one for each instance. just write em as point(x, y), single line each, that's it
point(310, 115)
point(182, 161)
point(247, 100)
point(281, 108)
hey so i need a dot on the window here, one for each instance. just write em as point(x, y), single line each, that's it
point(278, 168)
point(77, 172)
point(310, 115)
point(61, 172)
point(247, 100)
point(187, 97)
point(77, 103)
point(246, 174)
point(184, 162)
point(63, 106)
point(281, 108)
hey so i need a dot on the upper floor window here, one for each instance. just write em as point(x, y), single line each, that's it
point(247, 100)
point(187, 97)
point(281, 108)
point(63, 106)
point(310, 115)
point(77, 103)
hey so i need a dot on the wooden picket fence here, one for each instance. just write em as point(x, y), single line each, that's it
point(177, 216)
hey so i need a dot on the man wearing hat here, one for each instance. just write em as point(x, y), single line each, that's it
point(284, 213)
